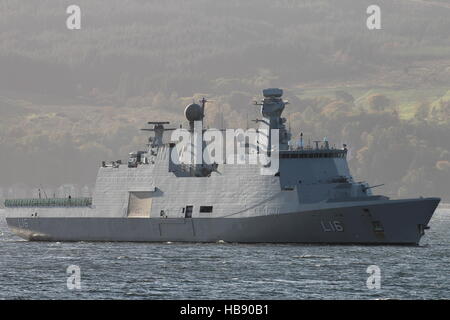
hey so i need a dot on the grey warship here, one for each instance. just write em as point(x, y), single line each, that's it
point(310, 198)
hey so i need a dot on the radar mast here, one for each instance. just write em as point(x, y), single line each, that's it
point(272, 107)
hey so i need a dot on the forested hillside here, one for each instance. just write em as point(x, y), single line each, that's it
point(71, 98)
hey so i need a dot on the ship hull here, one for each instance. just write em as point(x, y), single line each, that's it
point(391, 222)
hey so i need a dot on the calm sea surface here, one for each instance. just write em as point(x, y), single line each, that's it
point(33, 270)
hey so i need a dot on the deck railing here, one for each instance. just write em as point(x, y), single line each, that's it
point(50, 202)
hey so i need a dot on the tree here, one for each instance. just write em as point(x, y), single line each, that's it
point(378, 102)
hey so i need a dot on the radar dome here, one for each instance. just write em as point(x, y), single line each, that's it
point(272, 93)
point(193, 112)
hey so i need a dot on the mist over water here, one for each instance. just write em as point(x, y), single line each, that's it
point(37, 270)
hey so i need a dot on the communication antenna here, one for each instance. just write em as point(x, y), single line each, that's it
point(301, 140)
point(203, 104)
point(246, 119)
point(289, 122)
point(45, 194)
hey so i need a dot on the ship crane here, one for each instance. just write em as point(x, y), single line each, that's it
point(158, 129)
point(141, 157)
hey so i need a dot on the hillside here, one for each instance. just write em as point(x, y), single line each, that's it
point(69, 99)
